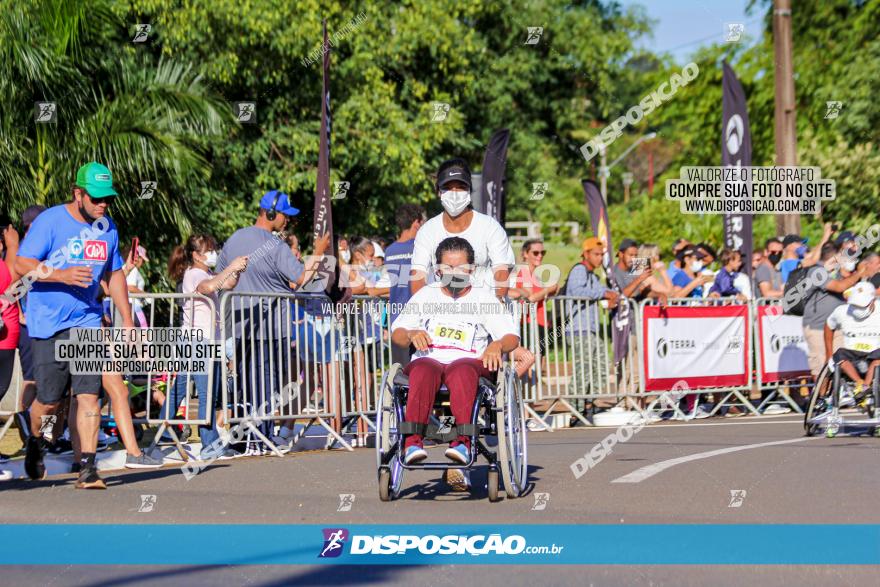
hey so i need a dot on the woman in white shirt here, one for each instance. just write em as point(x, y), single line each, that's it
point(191, 266)
point(136, 283)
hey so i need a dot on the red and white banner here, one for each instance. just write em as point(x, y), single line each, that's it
point(704, 346)
point(782, 346)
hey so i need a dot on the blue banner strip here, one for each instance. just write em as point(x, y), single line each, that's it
point(624, 544)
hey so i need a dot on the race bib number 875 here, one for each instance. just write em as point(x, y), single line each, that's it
point(455, 335)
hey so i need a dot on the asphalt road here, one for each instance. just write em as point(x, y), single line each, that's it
point(667, 473)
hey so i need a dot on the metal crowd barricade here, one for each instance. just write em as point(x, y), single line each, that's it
point(366, 354)
point(11, 402)
point(779, 387)
point(725, 393)
point(526, 315)
point(577, 348)
point(165, 310)
point(284, 354)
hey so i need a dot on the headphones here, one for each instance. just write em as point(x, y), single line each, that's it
point(271, 213)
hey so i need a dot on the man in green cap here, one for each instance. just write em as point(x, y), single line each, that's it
point(66, 253)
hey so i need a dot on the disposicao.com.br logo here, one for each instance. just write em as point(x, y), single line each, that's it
point(431, 544)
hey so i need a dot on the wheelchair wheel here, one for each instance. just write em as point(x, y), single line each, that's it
point(387, 437)
point(511, 425)
point(493, 485)
point(817, 410)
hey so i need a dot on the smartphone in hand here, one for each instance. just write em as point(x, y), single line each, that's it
point(135, 243)
point(639, 265)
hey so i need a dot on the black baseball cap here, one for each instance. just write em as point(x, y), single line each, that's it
point(452, 173)
point(844, 236)
point(792, 238)
point(688, 252)
point(627, 243)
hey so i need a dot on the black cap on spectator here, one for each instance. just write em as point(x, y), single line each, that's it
point(792, 238)
point(844, 236)
point(688, 252)
point(627, 243)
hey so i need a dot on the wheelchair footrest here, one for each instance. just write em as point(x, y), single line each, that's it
point(434, 432)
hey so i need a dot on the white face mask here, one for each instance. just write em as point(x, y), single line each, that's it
point(345, 256)
point(455, 202)
point(849, 265)
point(211, 258)
point(696, 266)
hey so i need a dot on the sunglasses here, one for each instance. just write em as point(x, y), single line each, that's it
point(539, 253)
point(106, 200)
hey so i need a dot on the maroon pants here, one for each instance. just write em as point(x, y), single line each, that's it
point(425, 377)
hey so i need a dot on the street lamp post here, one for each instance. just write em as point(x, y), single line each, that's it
point(603, 175)
point(605, 170)
point(627, 181)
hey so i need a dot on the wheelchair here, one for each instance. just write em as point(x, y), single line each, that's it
point(831, 408)
point(498, 411)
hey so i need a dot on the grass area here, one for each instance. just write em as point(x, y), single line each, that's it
point(563, 256)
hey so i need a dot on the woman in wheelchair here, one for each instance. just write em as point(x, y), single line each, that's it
point(450, 324)
point(859, 322)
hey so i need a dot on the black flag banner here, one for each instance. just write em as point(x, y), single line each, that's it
point(494, 166)
point(599, 221)
point(328, 273)
point(736, 151)
point(621, 318)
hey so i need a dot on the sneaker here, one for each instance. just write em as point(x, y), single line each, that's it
point(61, 447)
point(458, 453)
point(219, 454)
point(700, 413)
point(415, 454)
point(104, 441)
point(282, 443)
point(33, 459)
point(5, 475)
point(774, 409)
point(142, 461)
point(89, 479)
point(458, 479)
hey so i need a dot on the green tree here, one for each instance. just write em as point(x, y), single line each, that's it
point(145, 118)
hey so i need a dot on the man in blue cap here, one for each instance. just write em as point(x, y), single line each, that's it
point(272, 269)
point(65, 254)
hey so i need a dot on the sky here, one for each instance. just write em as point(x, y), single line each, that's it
point(685, 25)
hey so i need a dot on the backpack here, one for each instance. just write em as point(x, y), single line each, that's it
point(562, 289)
point(795, 295)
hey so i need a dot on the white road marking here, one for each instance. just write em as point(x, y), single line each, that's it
point(649, 471)
point(672, 425)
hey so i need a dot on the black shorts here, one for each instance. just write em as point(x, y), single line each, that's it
point(53, 377)
point(853, 356)
point(7, 363)
point(25, 355)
